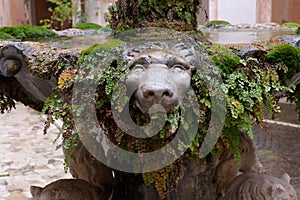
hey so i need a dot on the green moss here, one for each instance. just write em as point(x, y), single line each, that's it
point(298, 31)
point(287, 54)
point(85, 26)
point(5, 36)
point(290, 56)
point(216, 23)
point(291, 24)
point(26, 32)
point(224, 58)
point(106, 46)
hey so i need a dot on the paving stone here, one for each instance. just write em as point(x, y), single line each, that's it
point(28, 156)
point(3, 182)
point(17, 196)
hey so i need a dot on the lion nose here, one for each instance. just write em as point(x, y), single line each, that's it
point(157, 93)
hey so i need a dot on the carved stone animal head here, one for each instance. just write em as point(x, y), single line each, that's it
point(261, 186)
point(159, 79)
point(75, 189)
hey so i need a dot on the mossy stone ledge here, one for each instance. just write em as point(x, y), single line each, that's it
point(25, 32)
point(88, 26)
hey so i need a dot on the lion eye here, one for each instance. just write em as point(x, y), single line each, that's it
point(178, 68)
point(138, 68)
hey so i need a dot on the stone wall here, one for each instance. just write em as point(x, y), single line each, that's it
point(255, 11)
point(285, 11)
point(237, 11)
point(264, 11)
point(15, 12)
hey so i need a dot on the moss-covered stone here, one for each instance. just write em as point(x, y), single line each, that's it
point(287, 54)
point(290, 56)
point(27, 32)
point(86, 26)
point(106, 46)
point(216, 23)
point(223, 57)
point(291, 24)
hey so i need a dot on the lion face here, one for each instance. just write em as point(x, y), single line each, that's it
point(159, 79)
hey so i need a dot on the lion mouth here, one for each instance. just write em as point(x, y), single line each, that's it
point(148, 111)
point(153, 120)
point(157, 109)
point(152, 107)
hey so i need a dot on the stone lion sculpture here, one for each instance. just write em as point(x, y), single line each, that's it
point(75, 189)
point(159, 75)
point(260, 186)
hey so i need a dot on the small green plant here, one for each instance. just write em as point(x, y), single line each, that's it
point(216, 23)
point(6, 104)
point(60, 15)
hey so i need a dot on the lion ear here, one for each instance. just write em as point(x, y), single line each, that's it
point(277, 190)
point(286, 177)
point(35, 191)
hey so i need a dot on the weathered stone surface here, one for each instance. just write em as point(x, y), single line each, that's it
point(260, 186)
point(42, 60)
point(28, 69)
point(297, 44)
point(278, 148)
point(75, 189)
point(84, 166)
point(228, 168)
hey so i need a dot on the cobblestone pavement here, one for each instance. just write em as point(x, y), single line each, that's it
point(27, 157)
point(279, 146)
point(279, 152)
